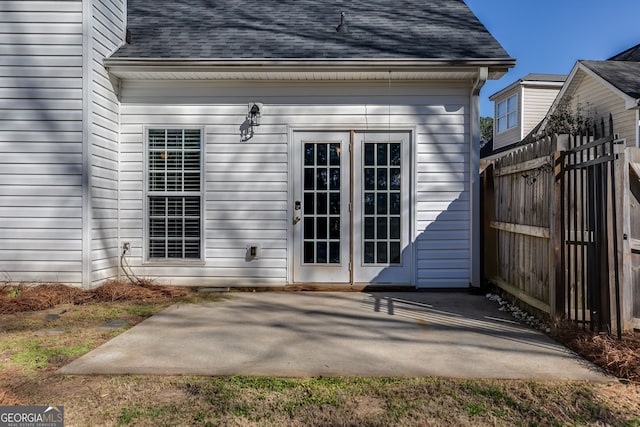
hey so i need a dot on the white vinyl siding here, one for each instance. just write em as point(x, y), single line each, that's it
point(41, 141)
point(246, 184)
point(536, 102)
point(107, 35)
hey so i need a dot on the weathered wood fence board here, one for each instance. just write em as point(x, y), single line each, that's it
point(545, 224)
point(520, 223)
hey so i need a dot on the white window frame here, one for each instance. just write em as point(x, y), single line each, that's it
point(147, 194)
point(509, 116)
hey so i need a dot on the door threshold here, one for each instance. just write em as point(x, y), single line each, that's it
point(359, 287)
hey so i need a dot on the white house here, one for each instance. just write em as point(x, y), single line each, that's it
point(226, 143)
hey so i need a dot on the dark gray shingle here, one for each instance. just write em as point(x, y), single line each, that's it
point(306, 29)
point(632, 54)
point(622, 74)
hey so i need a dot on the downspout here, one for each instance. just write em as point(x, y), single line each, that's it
point(87, 108)
point(474, 174)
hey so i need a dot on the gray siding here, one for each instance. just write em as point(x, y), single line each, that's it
point(247, 186)
point(107, 36)
point(41, 140)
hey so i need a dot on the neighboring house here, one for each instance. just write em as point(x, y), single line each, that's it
point(240, 144)
point(520, 107)
point(596, 89)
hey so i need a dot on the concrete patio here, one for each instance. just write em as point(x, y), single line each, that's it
point(329, 334)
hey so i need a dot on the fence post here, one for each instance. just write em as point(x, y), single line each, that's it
point(489, 254)
point(556, 208)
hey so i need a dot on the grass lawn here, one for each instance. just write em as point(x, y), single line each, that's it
point(33, 346)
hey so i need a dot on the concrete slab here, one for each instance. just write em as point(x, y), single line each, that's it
point(328, 334)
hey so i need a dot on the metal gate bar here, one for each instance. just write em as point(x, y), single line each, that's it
point(588, 216)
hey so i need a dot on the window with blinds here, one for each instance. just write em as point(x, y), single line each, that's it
point(174, 196)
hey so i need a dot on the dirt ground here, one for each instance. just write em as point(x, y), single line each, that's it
point(44, 327)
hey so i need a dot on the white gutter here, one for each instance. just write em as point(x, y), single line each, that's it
point(474, 175)
point(117, 66)
point(313, 62)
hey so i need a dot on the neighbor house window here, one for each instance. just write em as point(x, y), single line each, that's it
point(174, 196)
point(507, 114)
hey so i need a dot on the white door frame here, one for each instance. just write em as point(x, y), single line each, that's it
point(312, 219)
point(372, 272)
point(351, 239)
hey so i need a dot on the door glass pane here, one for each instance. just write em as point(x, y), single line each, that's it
point(334, 155)
point(382, 228)
point(382, 178)
point(369, 178)
point(369, 154)
point(369, 203)
point(334, 182)
point(321, 227)
point(309, 203)
point(309, 228)
point(322, 180)
point(394, 252)
point(334, 252)
point(382, 154)
point(309, 179)
point(381, 203)
point(334, 203)
point(321, 206)
point(321, 248)
point(394, 154)
point(369, 228)
point(321, 210)
point(309, 252)
point(334, 229)
point(322, 154)
point(369, 252)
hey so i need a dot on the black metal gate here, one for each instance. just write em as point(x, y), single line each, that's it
point(589, 230)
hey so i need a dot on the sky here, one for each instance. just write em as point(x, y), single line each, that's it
point(549, 36)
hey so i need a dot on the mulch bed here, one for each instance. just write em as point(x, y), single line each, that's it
point(24, 297)
point(618, 357)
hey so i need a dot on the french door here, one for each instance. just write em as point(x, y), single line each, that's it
point(351, 208)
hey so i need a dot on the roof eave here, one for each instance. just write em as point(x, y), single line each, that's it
point(629, 101)
point(117, 66)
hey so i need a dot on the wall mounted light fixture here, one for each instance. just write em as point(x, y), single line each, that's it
point(255, 111)
point(247, 129)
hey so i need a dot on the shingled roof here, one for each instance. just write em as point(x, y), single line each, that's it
point(624, 75)
point(632, 54)
point(306, 29)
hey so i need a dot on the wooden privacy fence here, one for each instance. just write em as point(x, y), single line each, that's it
point(561, 228)
point(518, 214)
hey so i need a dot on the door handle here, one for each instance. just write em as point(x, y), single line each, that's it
point(296, 220)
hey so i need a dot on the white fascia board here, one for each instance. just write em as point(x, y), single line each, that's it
point(525, 83)
point(118, 66)
point(536, 83)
